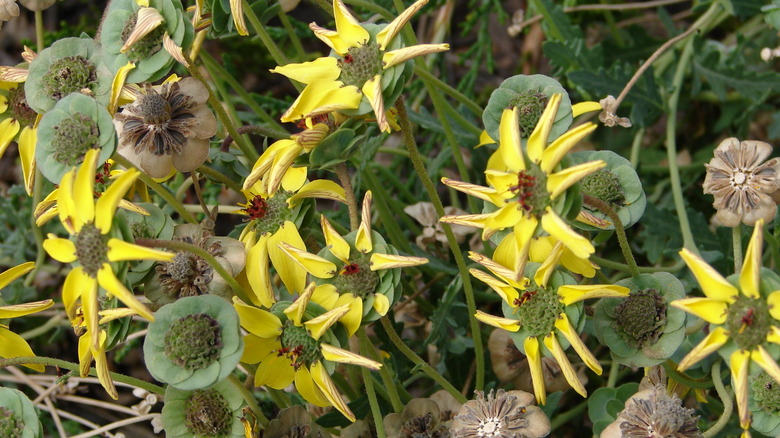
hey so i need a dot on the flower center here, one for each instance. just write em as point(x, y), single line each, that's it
point(20, 111)
point(356, 277)
point(640, 317)
point(187, 274)
point(530, 105)
point(531, 190)
point(206, 413)
point(360, 64)
point(10, 425)
point(766, 393)
point(73, 137)
point(299, 346)
point(142, 230)
point(748, 321)
point(91, 250)
point(423, 426)
point(740, 177)
point(194, 341)
point(154, 108)
point(69, 75)
point(537, 309)
point(490, 427)
point(268, 214)
point(605, 186)
point(147, 46)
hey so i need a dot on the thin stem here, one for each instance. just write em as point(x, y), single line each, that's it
point(40, 259)
point(269, 43)
point(199, 194)
point(177, 245)
point(419, 167)
point(671, 371)
point(368, 381)
point(565, 417)
point(384, 372)
point(725, 397)
point(48, 361)
point(250, 400)
point(625, 247)
point(597, 7)
point(254, 129)
point(636, 145)
point(39, 30)
point(41, 329)
point(424, 74)
point(279, 397)
point(159, 189)
point(417, 360)
point(115, 425)
point(736, 240)
point(346, 182)
point(642, 269)
point(219, 176)
point(613, 374)
point(296, 42)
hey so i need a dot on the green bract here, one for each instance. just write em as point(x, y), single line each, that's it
point(194, 342)
point(643, 329)
point(617, 184)
point(764, 404)
point(209, 412)
point(530, 94)
point(18, 418)
point(76, 124)
point(70, 65)
point(151, 60)
point(154, 225)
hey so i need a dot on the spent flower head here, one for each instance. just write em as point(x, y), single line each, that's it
point(500, 414)
point(653, 413)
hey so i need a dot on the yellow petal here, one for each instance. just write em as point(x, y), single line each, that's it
point(511, 325)
point(558, 182)
point(8, 129)
point(16, 310)
point(258, 321)
point(12, 274)
point(372, 89)
point(766, 362)
point(106, 205)
point(380, 262)
point(509, 145)
point(275, 371)
point(712, 311)
point(281, 172)
point(321, 97)
point(774, 304)
point(101, 366)
point(325, 295)
point(333, 240)
point(571, 335)
point(319, 325)
point(313, 264)
point(562, 145)
point(395, 57)
point(119, 250)
point(738, 363)
point(90, 308)
point(712, 342)
point(468, 220)
point(749, 277)
point(558, 228)
point(570, 294)
point(381, 304)
point(13, 345)
point(296, 310)
point(116, 86)
point(538, 138)
point(485, 193)
point(531, 347)
point(584, 107)
point(335, 354)
point(351, 33)
point(499, 270)
point(308, 389)
point(76, 283)
point(328, 388)
point(293, 276)
point(258, 275)
point(84, 190)
point(354, 317)
point(112, 285)
point(363, 238)
point(386, 35)
point(484, 139)
point(712, 283)
point(505, 291)
point(325, 68)
point(237, 11)
point(147, 20)
point(109, 315)
point(13, 74)
point(62, 250)
point(264, 163)
point(545, 270)
point(319, 188)
point(551, 342)
point(66, 204)
point(27, 140)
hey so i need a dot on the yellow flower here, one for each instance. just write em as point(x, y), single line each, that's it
point(525, 187)
point(11, 344)
point(365, 279)
point(20, 123)
point(295, 350)
point(89, 222)
point(368, 61)
point(745, 320)
point(542, 312)
point(271, 222)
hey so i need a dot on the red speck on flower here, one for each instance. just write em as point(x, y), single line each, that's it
point(350, 269)
point(256, 208)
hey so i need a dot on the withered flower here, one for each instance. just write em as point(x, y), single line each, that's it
point(501, 415)
point(653, 413)
point(167, 126)
point(742, 182)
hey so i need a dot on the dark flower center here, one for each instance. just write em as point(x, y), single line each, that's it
point(207, 414)
point(604, 185)
point(10, 426)
point(531, 190)
point(154, 109)
point(748, 321)
point(91, 250)
point(425, 426)
point(530, 105)
point(20, 111)
point(73, 137)
point(268, 214)
point(360, 64)
point(299, 346)
point(147, 46)
point(537, 309)
point(641, 317)
point(69, 75)
point(188, 274)
point(356, 277)
point(194, 341)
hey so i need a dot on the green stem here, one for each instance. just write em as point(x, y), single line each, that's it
point(263, 34)
point(40, 258)
point(39, 30)
point(368, 381)
point(281, 399)
point(219, 176)
point(346, 183)
point(671, 371)
point(384, 372)
point(613, 374)
point(177, 245)
point(636, 145)
point(625, 247)
point(41, 329)
point(642, 269)
point(725, 397)
point(250, 400)
point(424, 74)
point(296, 42)
point(159, 189)
point(49, 361)
point(736, 240)
point(565, 417)
point(417, 360)
point(419, 167)
point(373, 7)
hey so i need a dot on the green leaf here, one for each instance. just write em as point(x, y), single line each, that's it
point(723, 72)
